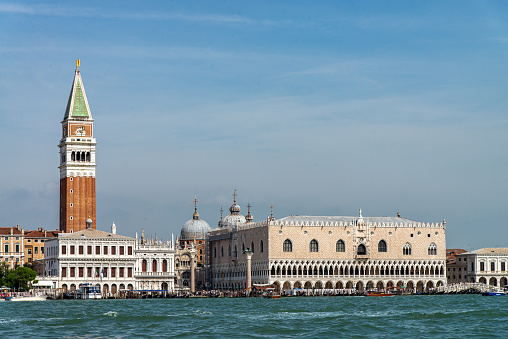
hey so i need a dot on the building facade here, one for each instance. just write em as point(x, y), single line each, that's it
point(12, 249)
point(77, 161)
point(455, 266)
point(486, 265)
point(318, 252)
point(34, 244)
point(111, 261)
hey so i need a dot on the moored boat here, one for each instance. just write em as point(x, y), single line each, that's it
point(493, 293)
point(29, 298)
point(379, 294)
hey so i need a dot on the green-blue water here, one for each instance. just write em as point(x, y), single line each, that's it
point(445, 316)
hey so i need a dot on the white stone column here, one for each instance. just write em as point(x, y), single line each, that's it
point(248, 253)
point(192, 252)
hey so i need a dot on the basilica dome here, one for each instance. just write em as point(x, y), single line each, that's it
point(235, 218)
point(194, 228)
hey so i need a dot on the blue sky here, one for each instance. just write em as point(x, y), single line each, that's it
point(322, 108)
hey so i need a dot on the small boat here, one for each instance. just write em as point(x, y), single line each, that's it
point(493, 293)
point(272, 296)
point(29, 298)
point(379, 294)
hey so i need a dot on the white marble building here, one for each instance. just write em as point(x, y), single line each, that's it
point(111, 261)
point(486, 265)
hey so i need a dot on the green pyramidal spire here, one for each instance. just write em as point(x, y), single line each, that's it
point(77, 106)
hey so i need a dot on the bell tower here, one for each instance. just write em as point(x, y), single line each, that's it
point(77, 161)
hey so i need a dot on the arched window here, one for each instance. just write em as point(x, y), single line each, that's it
point(340, 246)
point(361, 250)
point(215, 252)
point(73, 156)
point(143, 265)
point(229, 250)
point(235, 254)
point(406, 249)
point(243, 247)
point(432, 249)
point(154, 265)
point(164, 265)
point(381, 246)
point(314, 246)
point(88, 156)
point(287, 246)
point(261, 246)
point(222, 251)
point(252, 246)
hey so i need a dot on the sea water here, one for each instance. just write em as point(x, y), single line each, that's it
point(438, 316)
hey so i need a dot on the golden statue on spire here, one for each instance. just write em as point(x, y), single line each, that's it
point(78, 62)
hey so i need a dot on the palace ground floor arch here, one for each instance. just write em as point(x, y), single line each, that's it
point(360, 285)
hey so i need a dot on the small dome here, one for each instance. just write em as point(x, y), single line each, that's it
point(194, 229)
point(89, 221)
point(233, 220)
point(234, 208)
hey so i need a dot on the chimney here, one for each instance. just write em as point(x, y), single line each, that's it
point(12, 230)
point(398, 214)
point(18, 227)
point(45, 234)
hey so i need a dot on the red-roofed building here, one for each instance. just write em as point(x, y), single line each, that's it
point(34, 243)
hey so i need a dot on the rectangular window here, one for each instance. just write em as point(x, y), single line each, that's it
point(6, 247)
point(129, 272)
point(492, 266)
point(503, 266)
point(113, 250)
point(72, 249)
point(482, 266)
point(105, 272)
point(89, 272)
point(81, 272)
point(42, 250)
point(105, 249)
point(29, 251)
point(113, 272)
point(36, 250)
point(122, 249)
point(81, 249)
point(472, 266)
point(121, 272)
point(17, 248)
point(89, 250)
point(73, 272)
point(129, 250)
point(97, 250)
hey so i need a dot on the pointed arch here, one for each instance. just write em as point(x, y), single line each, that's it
point(340, 246)
point(381, 246)
point(313, 246)
point(287, 246)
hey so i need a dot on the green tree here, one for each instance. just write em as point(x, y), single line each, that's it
point(4, 270)
point(20, 277)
